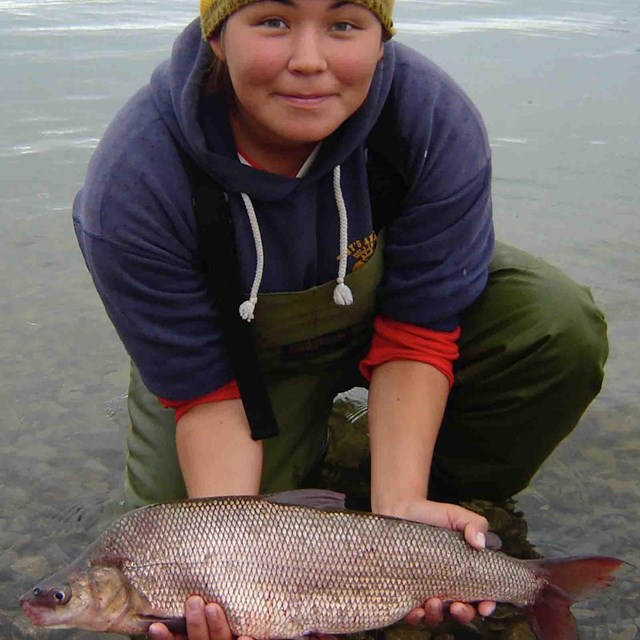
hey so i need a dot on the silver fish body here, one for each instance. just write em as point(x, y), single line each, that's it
point(285, 570)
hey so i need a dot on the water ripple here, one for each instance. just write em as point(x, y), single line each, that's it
point(539, 25)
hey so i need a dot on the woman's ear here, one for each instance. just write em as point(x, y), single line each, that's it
point(215, 42)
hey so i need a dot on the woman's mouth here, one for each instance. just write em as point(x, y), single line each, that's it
point(309, 101)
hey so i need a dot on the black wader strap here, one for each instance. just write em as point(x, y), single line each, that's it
point(216, 246)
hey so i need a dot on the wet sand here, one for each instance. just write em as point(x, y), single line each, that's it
point(558, 87)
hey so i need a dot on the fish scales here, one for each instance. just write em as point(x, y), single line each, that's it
point(283, 570)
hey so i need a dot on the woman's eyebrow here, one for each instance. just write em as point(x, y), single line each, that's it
point(293, 3)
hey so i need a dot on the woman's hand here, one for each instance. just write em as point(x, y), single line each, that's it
point(204, 622)
point(450, 516)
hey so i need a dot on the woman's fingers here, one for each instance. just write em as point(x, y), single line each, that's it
point(461, 612)
point(197, 624)
point(475, 533)
point(415, 616)
point(217, 625)
point(486, 608)
point(204, 622)
point(158, 631)
point(433, 612)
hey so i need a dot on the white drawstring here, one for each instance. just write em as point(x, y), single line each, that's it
point(341, 294)
point(248, 306)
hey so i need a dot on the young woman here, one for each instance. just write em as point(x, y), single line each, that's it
point(280, 107)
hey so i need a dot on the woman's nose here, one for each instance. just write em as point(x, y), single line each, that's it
point(307, 53)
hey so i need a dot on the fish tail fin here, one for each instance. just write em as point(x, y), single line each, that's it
point(568, 580)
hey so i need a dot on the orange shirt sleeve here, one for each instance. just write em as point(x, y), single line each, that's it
point(393, 340)
point(229, 391)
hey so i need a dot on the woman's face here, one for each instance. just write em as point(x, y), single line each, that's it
point(299, 68)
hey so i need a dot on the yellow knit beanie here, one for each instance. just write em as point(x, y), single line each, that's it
point(214, 12)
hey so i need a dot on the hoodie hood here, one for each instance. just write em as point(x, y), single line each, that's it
point(176, 87)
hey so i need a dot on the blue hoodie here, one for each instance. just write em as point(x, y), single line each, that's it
point(136, 227)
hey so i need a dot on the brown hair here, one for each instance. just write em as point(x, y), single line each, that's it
point(218, 79)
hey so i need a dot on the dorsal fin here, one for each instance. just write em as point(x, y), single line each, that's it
point(317, 498)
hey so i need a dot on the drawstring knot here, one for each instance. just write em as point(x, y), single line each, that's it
point(247, 308)
point(342, 294)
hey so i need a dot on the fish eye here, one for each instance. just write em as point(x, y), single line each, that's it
point(61, 595)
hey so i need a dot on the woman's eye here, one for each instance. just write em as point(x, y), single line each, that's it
point(273, 23)
point(343, 27)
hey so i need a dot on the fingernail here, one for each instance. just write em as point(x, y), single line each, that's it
point(212, 612)
point(481, 540)
point(194, 604)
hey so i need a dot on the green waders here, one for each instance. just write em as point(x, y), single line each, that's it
point(532, 352)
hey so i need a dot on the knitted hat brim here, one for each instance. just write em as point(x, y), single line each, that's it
point(214, 12)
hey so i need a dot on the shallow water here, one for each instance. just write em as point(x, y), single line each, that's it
point(559, 86)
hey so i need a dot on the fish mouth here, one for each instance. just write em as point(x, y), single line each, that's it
point(41, 616)
point(34, 613)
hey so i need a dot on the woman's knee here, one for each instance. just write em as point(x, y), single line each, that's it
point(573, 328)
point(531, 322)
point(532, 358)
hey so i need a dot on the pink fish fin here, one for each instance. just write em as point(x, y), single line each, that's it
point(175, 625)
point(318, 498)
point(568, 580)
point(550, 617)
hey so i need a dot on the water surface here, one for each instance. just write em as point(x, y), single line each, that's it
point(559, 86)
